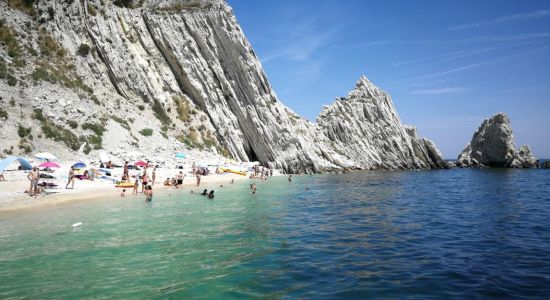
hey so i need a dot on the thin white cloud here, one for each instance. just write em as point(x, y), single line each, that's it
point(509, 18)
point(479, 64)
point(477, 39)
point(439, 91)
point(389, 42)
point(302, 47)
point(429, 58)
point(306, 38)
point(462, 54)
point(508, 38)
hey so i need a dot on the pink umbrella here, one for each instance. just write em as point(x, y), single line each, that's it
point(140, 163)
point(49, 164)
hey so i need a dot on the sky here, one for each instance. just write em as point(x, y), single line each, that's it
point(447, 64)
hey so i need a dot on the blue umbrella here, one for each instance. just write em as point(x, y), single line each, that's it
point(6, 162)
point(180, 155)
point(79, 165)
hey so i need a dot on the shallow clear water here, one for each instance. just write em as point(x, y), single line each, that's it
point(449, 233)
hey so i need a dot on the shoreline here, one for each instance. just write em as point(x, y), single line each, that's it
point(88, 191)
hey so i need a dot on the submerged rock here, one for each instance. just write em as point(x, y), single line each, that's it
point(493, 145)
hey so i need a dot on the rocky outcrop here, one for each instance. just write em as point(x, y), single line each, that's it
point(174, 75)
point(493, 146)
point(365, 131)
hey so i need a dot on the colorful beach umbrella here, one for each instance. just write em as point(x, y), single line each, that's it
point(140, 163)
point(79, 165)
point(49, 164)
point(46, 155)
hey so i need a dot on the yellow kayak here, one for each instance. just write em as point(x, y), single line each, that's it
point(232, 171)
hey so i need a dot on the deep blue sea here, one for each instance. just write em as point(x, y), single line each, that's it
point(461, 233)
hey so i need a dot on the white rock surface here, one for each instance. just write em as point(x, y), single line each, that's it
point(493, 145)
point(142, 58)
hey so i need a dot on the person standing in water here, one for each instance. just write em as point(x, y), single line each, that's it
point(33, 176)
point(211, 194)
point(149, 193)
point(70, 179)
point(289, 178)
point(144, 180)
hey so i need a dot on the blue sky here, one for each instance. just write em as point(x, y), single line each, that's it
point(446, 64)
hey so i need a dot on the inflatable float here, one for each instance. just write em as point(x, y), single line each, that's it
point(232, 171)
point(124, 185)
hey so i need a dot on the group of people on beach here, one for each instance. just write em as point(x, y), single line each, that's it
point(261, 173)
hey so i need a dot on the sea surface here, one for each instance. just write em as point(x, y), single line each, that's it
point(460, 233)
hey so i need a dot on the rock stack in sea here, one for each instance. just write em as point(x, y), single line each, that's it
point(160, 77)
point(493, 145)
point(365, 131)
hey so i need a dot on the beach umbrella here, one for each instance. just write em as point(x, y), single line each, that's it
point(46, 155)
point(6, 162)
point(140, 163)
point(79, 165)
point(180, 155)
point(49, 164)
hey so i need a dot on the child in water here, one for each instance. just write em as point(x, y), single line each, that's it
point(148, 193)
point(211, 194)
point(253, 188)
point(122, 193)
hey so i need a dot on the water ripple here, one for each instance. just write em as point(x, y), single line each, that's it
point(430, 234)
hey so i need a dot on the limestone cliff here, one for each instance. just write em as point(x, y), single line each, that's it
point(493, 145)
point(365, 130)
point(174, 75)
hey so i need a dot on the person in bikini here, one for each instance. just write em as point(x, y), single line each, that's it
point(144, 180)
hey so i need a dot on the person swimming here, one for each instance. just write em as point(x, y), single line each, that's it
point(205, 192)
point(211, 194)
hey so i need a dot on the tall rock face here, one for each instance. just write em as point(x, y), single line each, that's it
point(79, 77)
point(493, 145)
point(365, 130)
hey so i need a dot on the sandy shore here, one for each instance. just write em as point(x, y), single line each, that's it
point(13, 198)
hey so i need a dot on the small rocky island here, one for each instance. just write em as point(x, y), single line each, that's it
point(493, 145)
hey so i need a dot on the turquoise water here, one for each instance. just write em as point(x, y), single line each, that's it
point(440, 234)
